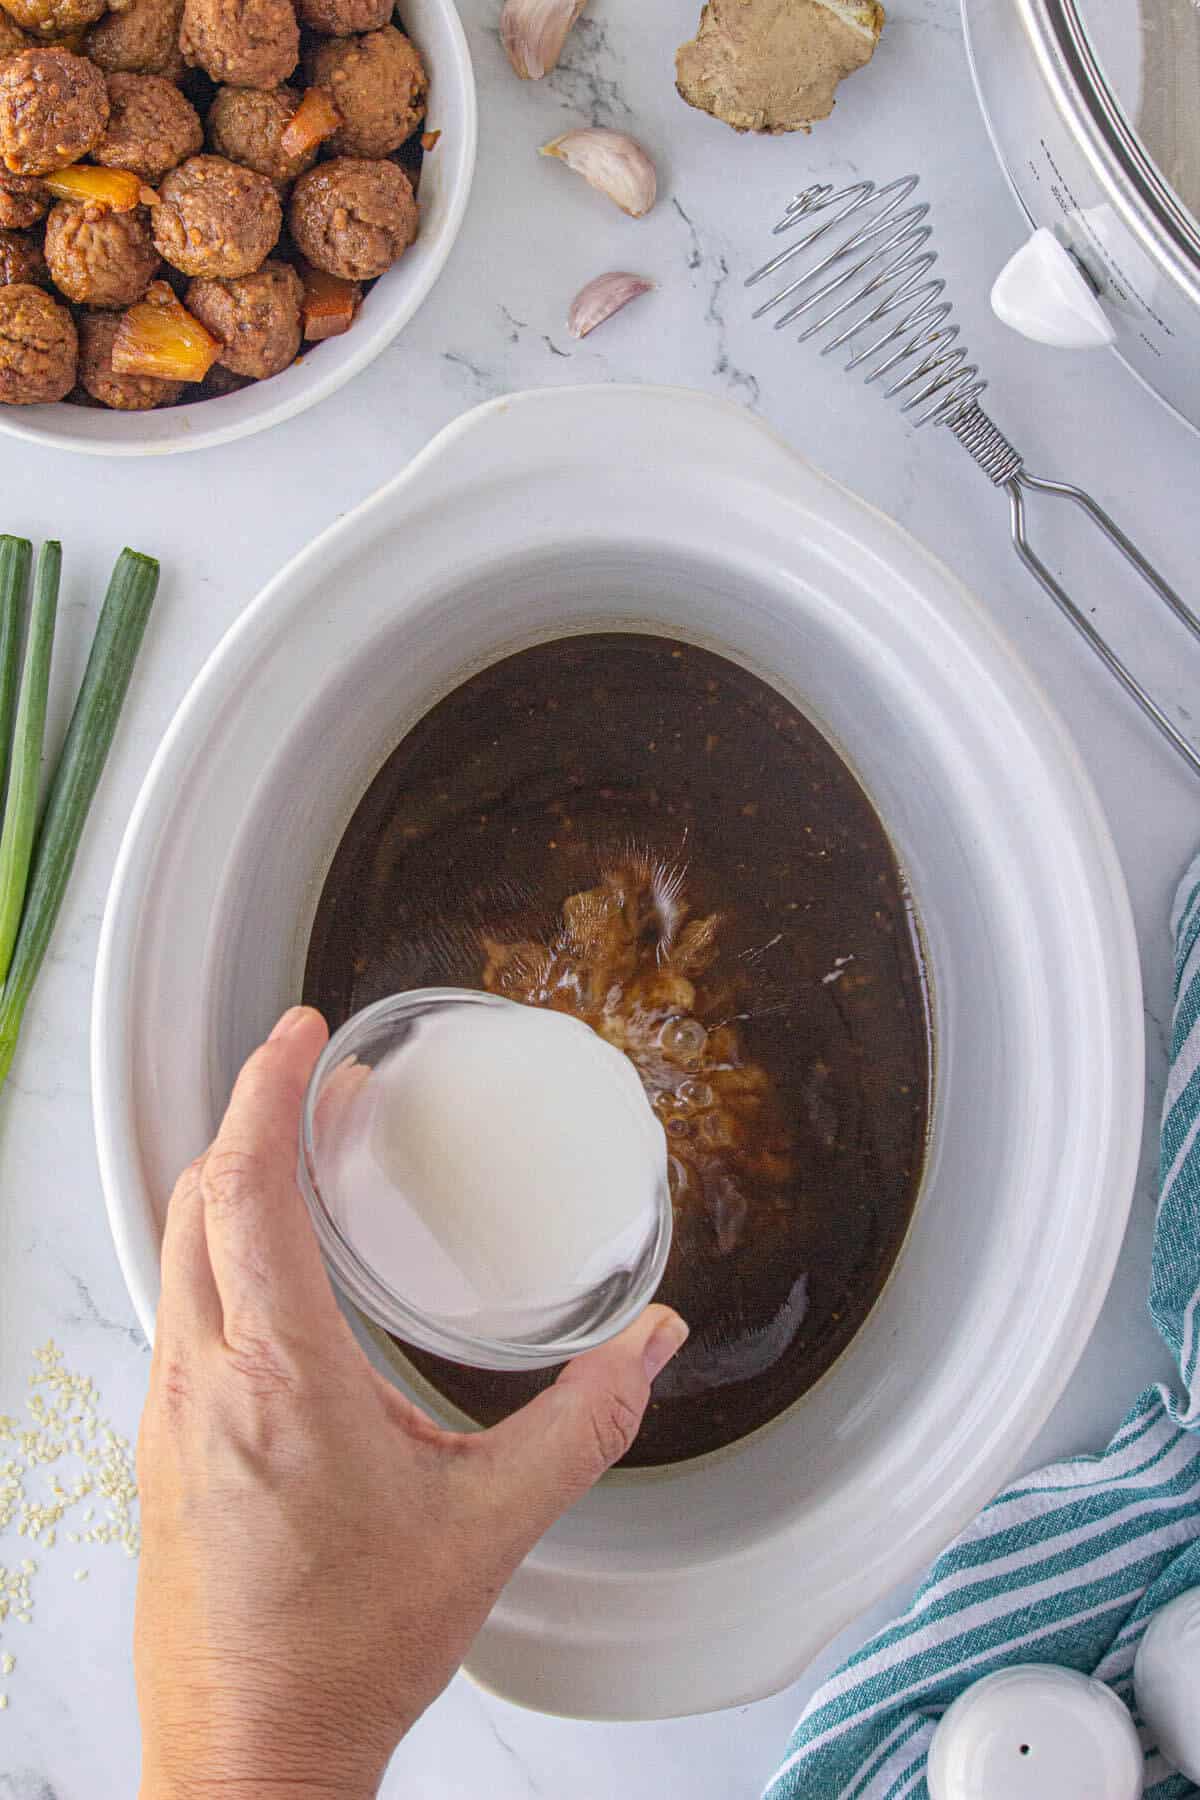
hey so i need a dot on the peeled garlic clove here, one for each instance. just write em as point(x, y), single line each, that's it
point(533, 33)
point(601, 298)
point(612, 162)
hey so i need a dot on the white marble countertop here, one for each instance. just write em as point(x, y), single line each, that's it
point(223, 521)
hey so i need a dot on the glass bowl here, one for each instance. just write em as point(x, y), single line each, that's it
point(457, 1275)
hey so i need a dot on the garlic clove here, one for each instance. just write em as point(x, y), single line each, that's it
point(601, 298)
point(533, 33)
point(612, 162)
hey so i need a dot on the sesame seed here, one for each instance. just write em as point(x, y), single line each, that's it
point(63, 1420)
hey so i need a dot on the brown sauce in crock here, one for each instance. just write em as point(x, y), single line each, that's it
point(642, 833)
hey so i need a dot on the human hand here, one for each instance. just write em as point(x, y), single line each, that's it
point(317, 1554)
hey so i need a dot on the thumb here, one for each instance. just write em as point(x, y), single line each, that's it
point(547, 1456)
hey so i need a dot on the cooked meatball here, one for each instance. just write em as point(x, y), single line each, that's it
point(248, 43)
point(54, 19)
point(53, 109)
point(12, 38)
point(221, 381)
point(140, 37)
point(246, 125)
point(341, 18)
point(23, 201)
point(353, 218)
point(21, 259)
point(38, 347)
point(215, 218)
point(124, 393)
point(379, 85)
point(151, 127)
point(256, 317)
point(100, 258)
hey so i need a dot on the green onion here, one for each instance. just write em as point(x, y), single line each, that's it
point(15, 556)
point(25, 762)
point(85, 751)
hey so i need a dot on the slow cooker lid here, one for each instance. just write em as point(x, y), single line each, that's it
point(1139, 63)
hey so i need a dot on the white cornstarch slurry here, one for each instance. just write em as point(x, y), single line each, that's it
point(499, 1168)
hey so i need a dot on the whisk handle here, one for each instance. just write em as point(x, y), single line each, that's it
point(1081, 622)
point(1129, 550)
point(1004, 467)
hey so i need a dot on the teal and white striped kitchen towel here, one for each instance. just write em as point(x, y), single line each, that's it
point(1065, 1566)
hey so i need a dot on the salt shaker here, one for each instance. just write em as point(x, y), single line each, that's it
point(1166, 1680)
point(1036, 1732)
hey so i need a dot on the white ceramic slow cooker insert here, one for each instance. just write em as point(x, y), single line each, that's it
point(710, 1583)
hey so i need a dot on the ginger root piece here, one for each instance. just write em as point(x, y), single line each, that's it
point(774, 65)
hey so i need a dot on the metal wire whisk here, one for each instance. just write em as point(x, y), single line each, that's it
point(876, 273)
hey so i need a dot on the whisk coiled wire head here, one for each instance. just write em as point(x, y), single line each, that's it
point(861, 277)
point(875, 274)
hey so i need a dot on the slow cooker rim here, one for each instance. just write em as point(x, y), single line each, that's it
point(1141, 167)
point(1087, 111)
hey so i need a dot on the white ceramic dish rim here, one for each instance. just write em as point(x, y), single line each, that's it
point(454, 110)
point(515, 1620)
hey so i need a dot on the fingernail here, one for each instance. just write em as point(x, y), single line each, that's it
point(289, 1021)
point(668, 1337)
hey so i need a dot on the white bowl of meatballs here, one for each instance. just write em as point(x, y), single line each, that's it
point(215, 212)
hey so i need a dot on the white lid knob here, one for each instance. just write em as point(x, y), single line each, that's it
point(1041, 293)
point(1166, 1679)
point(1036, 1732)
